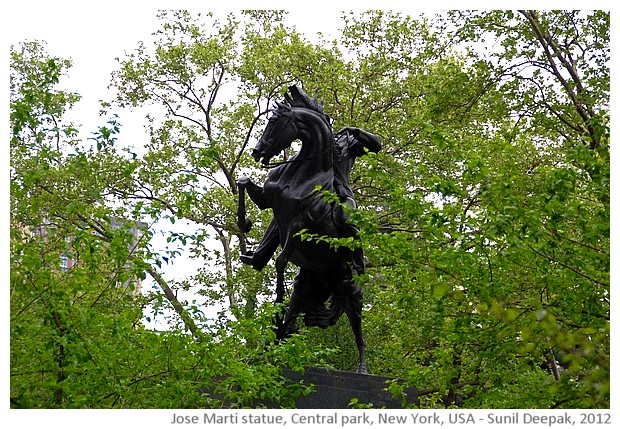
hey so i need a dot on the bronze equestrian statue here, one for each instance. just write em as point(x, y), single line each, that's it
point(293, 190)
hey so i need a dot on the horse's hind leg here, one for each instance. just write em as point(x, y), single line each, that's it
point(281, 262)
point(295, 306)
point(280, 267)
point(353, 309)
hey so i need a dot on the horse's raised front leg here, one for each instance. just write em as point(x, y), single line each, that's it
point(256, 194)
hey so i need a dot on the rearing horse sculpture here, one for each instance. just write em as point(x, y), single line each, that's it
point(292, 191)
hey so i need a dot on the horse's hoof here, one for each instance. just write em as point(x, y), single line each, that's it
point(246, 226)
point(362, 370)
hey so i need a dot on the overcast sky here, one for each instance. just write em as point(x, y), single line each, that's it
point(93, 38)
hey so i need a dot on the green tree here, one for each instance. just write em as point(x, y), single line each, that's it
point(77, 334)
point(492, 252)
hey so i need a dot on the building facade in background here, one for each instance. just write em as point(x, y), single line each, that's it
point(68, 260)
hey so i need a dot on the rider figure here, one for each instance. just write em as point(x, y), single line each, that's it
point(350, 143)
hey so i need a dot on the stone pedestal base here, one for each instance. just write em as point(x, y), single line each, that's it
point(335, 389)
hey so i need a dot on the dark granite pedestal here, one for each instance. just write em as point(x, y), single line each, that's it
point(335, 389)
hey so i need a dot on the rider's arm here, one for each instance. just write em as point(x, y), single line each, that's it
point(368, 140)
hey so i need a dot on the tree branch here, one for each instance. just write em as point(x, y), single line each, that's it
point(178, 307)
point(574, 270)
point(553, 51)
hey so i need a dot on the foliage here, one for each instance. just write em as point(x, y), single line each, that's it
point(77, 334)
point(484, 219)
point(492, 254)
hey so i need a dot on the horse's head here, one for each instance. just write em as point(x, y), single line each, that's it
point(279, 133)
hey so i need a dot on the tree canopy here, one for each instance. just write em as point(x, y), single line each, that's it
point(485, 219)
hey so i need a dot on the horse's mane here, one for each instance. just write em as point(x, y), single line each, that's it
point(298, 98)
